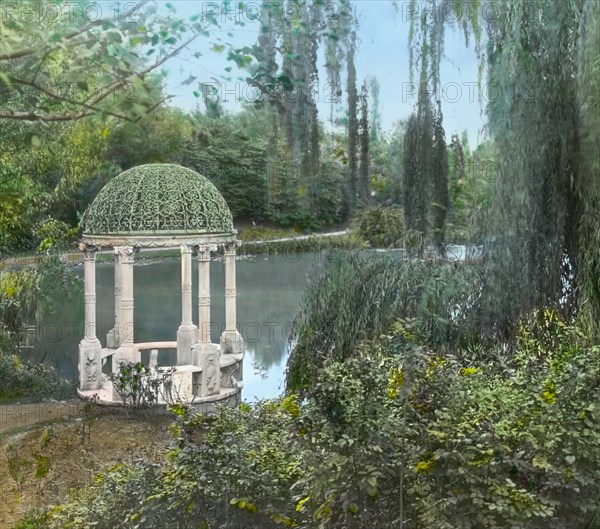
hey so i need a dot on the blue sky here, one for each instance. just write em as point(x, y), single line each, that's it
point(383, 53)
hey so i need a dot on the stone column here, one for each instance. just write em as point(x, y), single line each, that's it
point(204, 324)
point(206, 354)
point(126, 352)
point(231, 340)
point(187, 330)
point(112, 338)
point(90, 349)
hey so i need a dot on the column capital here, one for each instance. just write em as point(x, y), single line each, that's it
point(89, 251)
point(204, 251)
point(230, 248)
point(124, 253)
point(185, 249)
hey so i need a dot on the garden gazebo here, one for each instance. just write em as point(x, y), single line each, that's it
point(162, 206)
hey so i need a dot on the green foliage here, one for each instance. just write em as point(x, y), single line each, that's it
point(228, 152)
point(264, 234)
point(541, 60)
point(111, 502)
point(302, 245)
point(138, 385)
point(286, 74)
point(72, 64)
point(381, 227)
point(25, 296)
point(472, 181)
point(369, 292)
point(425, 171)
point(165, 136)
point(54, 234)
point(440, 196)
point(364, 141)
point(353, 132)
point(20, 379)
point(588, 82)
point(394, 435)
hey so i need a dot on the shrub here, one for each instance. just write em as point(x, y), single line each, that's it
point(20, 379)
point(25, 295)
point(381, 227)
point(394, 435)
point(298, 245)
point(139, 385)
point(54, 234)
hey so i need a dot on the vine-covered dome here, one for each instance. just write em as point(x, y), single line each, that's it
point(158, 199)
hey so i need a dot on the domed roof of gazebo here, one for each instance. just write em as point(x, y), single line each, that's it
point(158, 199)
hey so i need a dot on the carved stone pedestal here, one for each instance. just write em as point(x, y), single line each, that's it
point(90, 365)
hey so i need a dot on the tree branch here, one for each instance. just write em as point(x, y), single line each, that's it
point(103, 93)
point(63, 99)
point(153, 108)
point(90, 104)
point(33, 51)
point(32, 116)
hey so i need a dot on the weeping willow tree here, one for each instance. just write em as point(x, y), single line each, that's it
point(457, 168)
point(410, 174)
point(588, 84)
point(541, 63)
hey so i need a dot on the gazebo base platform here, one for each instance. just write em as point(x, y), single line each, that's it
point(227, 396)
point(182, 383)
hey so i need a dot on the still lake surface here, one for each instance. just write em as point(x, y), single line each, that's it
point(269, 291)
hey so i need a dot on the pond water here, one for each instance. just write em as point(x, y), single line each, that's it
point(269, 294)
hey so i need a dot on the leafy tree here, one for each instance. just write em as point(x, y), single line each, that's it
point(539, 63)
point(410, 173)
point(66, 61)
point(457, 176)
point(223, 151)
point(375, 114)
point(286, 74)
point(588, 99)
point(164, 136)
point(392, 158)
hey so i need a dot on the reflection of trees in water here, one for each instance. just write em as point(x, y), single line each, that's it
point(269, 293)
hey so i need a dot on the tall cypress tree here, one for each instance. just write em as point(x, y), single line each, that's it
point(365, 161)
point(353, 140)
point(439, 207)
